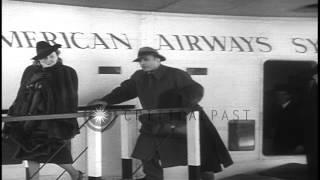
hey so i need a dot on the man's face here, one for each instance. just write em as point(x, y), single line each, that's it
point(282, 97)
point(315, 77)
point(149, 62)
point(50, 60)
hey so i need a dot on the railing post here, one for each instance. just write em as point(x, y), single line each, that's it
point(94, 161)
point(125, 150)
point(26, 167)
point(193, 141)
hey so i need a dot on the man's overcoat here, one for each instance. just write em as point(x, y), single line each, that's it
point(168, 87)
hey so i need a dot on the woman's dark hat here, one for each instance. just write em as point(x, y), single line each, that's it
point(44, 49)
point(148, 51)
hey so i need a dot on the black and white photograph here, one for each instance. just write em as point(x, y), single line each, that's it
point(159, 90)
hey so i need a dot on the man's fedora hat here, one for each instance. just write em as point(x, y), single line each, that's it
point(148, 51)
point(44, 49)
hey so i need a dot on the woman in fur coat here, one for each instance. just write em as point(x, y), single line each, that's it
point(47, 87)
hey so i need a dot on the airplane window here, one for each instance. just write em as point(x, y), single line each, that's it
point(284, 103)
point(197, 71)
point(109, 70)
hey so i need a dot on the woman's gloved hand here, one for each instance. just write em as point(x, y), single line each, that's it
point(37, 76)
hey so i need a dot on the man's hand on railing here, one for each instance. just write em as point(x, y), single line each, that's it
point(98, 102)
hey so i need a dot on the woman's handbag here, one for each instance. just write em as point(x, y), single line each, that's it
point(174, 129)
point(166, 125)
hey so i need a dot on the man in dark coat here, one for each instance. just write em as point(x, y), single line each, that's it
point(289, 132)
point(310, 116)
point(160, 86)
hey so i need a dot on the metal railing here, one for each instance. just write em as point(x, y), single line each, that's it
point(192, 123)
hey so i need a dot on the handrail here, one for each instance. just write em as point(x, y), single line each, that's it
point(86, 108)
point(89, 113)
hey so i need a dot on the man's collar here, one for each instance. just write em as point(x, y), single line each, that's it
point(158, 73)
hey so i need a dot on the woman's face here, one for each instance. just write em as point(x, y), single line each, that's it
point(50, 60)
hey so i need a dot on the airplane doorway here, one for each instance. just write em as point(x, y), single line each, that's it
point(284, 122)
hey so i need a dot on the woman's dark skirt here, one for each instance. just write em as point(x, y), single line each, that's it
point(39, 148)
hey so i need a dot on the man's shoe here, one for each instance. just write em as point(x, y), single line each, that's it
point(207, 176)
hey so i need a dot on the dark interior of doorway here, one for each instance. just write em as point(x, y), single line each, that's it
point(284, 123)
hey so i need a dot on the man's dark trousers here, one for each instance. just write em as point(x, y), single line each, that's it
point(152, 168)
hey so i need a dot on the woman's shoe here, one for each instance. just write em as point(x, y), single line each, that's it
point(80, 177)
